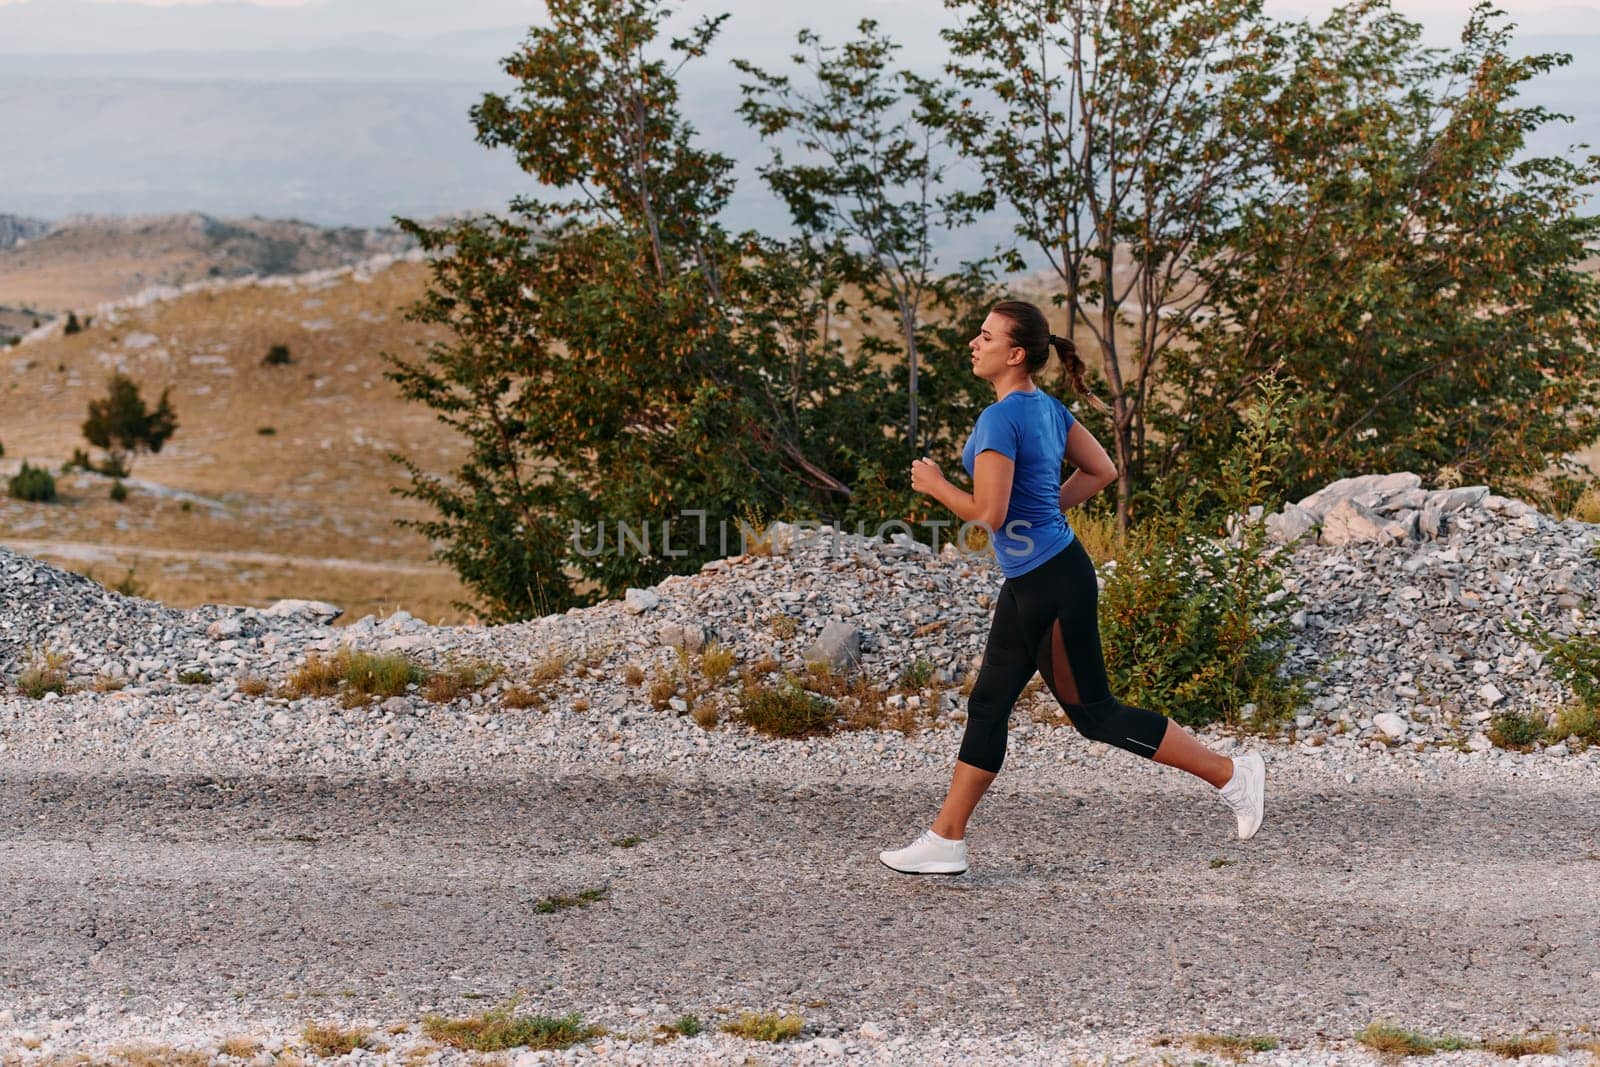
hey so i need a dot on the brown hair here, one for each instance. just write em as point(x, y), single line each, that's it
point(1030, 331)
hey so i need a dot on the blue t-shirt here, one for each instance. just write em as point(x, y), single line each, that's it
point(1029, 428)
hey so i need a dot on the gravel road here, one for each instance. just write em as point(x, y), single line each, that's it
point(1104, 899)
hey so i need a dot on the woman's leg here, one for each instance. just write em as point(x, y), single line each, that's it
point(1006, 669)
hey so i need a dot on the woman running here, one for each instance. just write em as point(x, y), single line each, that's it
point(1045, 614)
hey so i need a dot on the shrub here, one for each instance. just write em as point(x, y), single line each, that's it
point(119, 492)
point(277, 356)
point(32, 483)
point(266, 431)
point(46, 672)
point(73, 325)
point(460, 679)
point(784, 710)
point(918, 673)
point(252, 685)
point(195, 677)
point(497, 1030)
point(765, 1026)
point(560, 902)
point(1194, 616)
point(329, 1039)
point(379, 673)
point(1394, 1041)
point(2, 449)
point(1515, 731)
point(716, 662)
point(1578, 720)
point(1524, 1045)
point(130, 586)
point(784, 626)
point(633, 675)
point(686, 1026)
point(518, 697)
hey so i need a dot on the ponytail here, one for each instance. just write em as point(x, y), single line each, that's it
point(1030, 331)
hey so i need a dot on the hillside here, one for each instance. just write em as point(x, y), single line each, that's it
point(84, 260)
point(277, 482)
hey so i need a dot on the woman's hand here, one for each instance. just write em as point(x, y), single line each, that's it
point(926, 477)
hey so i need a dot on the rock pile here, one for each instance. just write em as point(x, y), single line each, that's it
point(1403, 639)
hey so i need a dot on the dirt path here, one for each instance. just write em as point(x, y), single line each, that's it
point(1445, 907)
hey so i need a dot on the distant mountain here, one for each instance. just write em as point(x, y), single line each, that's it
point(81, 261)
point(14, 228)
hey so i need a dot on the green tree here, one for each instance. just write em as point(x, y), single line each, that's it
point(614, 354)
point(1119, 134)
point(870, 183)
point(1406, 265)
point(120, 423)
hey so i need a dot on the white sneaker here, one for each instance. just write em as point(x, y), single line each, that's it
point(927, 855)
point(1246, 792)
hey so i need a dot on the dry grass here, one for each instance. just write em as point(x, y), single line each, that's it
point(109, 683)
point(716, 662)
point(765, 1026)
point(253, 685)
point(519, 697)
point(46, 672)
point(460, 679)
point(1587, 506)
point(239, 1047)
point(706, 715)
point(1395, 1041)
point(784, 626)
point(1523, 1045)
point(360, 675)
point(497, 1030)
point(319, 676)
point(1232, 1046)
point(1580, 721)
point(550, 669)
point(330, 1039)
point(1097, 532)
point(156, 1055)
point(634, 675)
point(663, 689)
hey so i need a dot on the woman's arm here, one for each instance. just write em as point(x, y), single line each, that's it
point(990, 498)
point(1092, 467)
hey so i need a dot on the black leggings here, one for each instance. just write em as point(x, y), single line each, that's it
point(1046, 621)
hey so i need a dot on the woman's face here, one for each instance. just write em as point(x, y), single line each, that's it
point(992, 350)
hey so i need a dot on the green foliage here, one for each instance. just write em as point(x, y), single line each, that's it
point(1515, 730)
point(765, 1026)
point(688, 1025)
point(870, 190)
point(120, 423)
point(1573, 660)
point(1194, 616)
point(784, 710)
point(1404, 263)
point(500, 1029)
point(32, 483)
point(277, 356)
point(561, 902)
point(618, 356)
point(194, 677)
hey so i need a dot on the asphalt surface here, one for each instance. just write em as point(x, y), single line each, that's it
point(1451, 908)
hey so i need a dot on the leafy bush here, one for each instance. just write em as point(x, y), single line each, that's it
point(277, 356)
point(32, 483)
point(1514, 730)
point(73, 325)
point(119, 492)
point(1194, 618)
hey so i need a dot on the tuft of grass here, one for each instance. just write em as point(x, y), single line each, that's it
point(46, 672)
point(153, 1055)
point(1578, 720)
point(561, 902)
point(1523, 1045)
point(119, 491)
point(1514, 730)
point(1097, 532)
point(242, 1048)
point(497, 1030)
point(663, 689)
point(716, 662)
point(682, 1026)
point(765, 1026)
point(362, 674)
point(109, 683)
point(130, 586)
point(785, 710)
point(705, 715)
point(253, 685)
point(549, 669)
point(518, 697)
point(784, 626)
point(1221, 861)
point(330, 1039)
point(916, 675)
point(195, 677)
point(627, 841)
point(1234, 1047)
point(1395, 1041)
point(633, 675)
point(459, 679)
